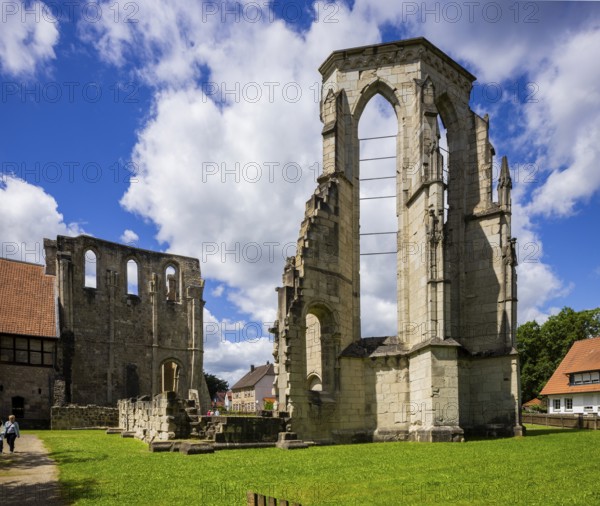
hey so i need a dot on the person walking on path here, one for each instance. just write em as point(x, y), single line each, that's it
point(1, 435)
point(11, 431)
point(29, 477)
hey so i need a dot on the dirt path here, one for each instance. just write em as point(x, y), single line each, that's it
point(28, 476)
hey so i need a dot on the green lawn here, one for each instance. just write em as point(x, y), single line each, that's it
point(549, 466)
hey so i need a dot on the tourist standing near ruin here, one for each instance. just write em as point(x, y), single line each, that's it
point(1, 436)
point(11, 432)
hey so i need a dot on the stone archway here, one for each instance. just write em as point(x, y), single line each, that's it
point(445, 288)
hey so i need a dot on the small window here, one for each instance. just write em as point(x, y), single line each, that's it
point(90, 269)
point(556, 404)
point(32, 351)
point(577, 379)
point(18, 407)
point(568, 404)
point(132, 278)
point(171, 282)
point(7, 349)
point(595, 377)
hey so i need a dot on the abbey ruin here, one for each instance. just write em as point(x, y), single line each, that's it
point(101, 322)
point(105, 322)
point(452, 367)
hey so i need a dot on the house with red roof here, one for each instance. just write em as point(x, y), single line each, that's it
point(28, 341)
point(255, 388)
point(575, 385)
point(534, 405)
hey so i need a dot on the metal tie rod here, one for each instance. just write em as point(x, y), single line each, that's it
point(376, 178)
point(377, 233)
point(382, 197)
point(372, 138)
point(378, 158)
point(381, 253)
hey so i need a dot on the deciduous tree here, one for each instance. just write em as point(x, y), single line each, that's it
point(542, 347)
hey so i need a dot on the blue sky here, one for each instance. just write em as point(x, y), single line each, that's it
point(194, 128)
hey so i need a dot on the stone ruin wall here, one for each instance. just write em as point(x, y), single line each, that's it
point(162, 418)
point(166, 417)
point(114, 342)
point(80, 417)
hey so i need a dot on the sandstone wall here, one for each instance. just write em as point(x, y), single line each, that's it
point(74, 416)
point(162, 418)
point(115, 340)
point(34, 385)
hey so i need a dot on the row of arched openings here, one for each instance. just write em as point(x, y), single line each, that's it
point(132, 276)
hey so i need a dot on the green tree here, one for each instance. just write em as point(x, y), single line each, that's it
point(542, 347)
point(215, 384)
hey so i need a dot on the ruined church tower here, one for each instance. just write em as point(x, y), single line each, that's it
point(452, 367)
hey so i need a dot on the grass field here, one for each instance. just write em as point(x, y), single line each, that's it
point(549, 466)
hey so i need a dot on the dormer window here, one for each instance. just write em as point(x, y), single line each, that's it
point(585, 378)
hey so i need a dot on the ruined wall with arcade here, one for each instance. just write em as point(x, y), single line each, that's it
point(130, 320)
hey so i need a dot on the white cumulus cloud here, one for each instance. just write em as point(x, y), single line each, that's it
point(231, 150)
point(28, 213)
point(27, 37)
point(129, 237)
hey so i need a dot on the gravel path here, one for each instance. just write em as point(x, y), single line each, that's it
point(28, 476)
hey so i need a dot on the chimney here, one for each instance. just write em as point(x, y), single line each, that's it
point(252, 368)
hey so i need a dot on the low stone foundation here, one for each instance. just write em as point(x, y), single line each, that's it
point(162, 418)
point(438, 434)
point(74, 416)
point(166, 418)
point(241, 429)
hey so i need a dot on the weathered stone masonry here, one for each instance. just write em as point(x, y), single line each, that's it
point(116, 341)
point(165, 417)
point(452, 367)
point(73, 416)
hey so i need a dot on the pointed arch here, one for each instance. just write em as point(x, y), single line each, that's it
point(322, 348)
point(90, 268)
point(132, 272)
point(376, 186)
point(450, 121)
point(172, 282)
point(378, 86)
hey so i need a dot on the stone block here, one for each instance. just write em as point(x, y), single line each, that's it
point(160, 446)
point(195, 448)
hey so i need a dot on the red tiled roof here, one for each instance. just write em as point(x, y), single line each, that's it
point(533, 402)
point(583, 356)
point(254, 376)
point(27, 300)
